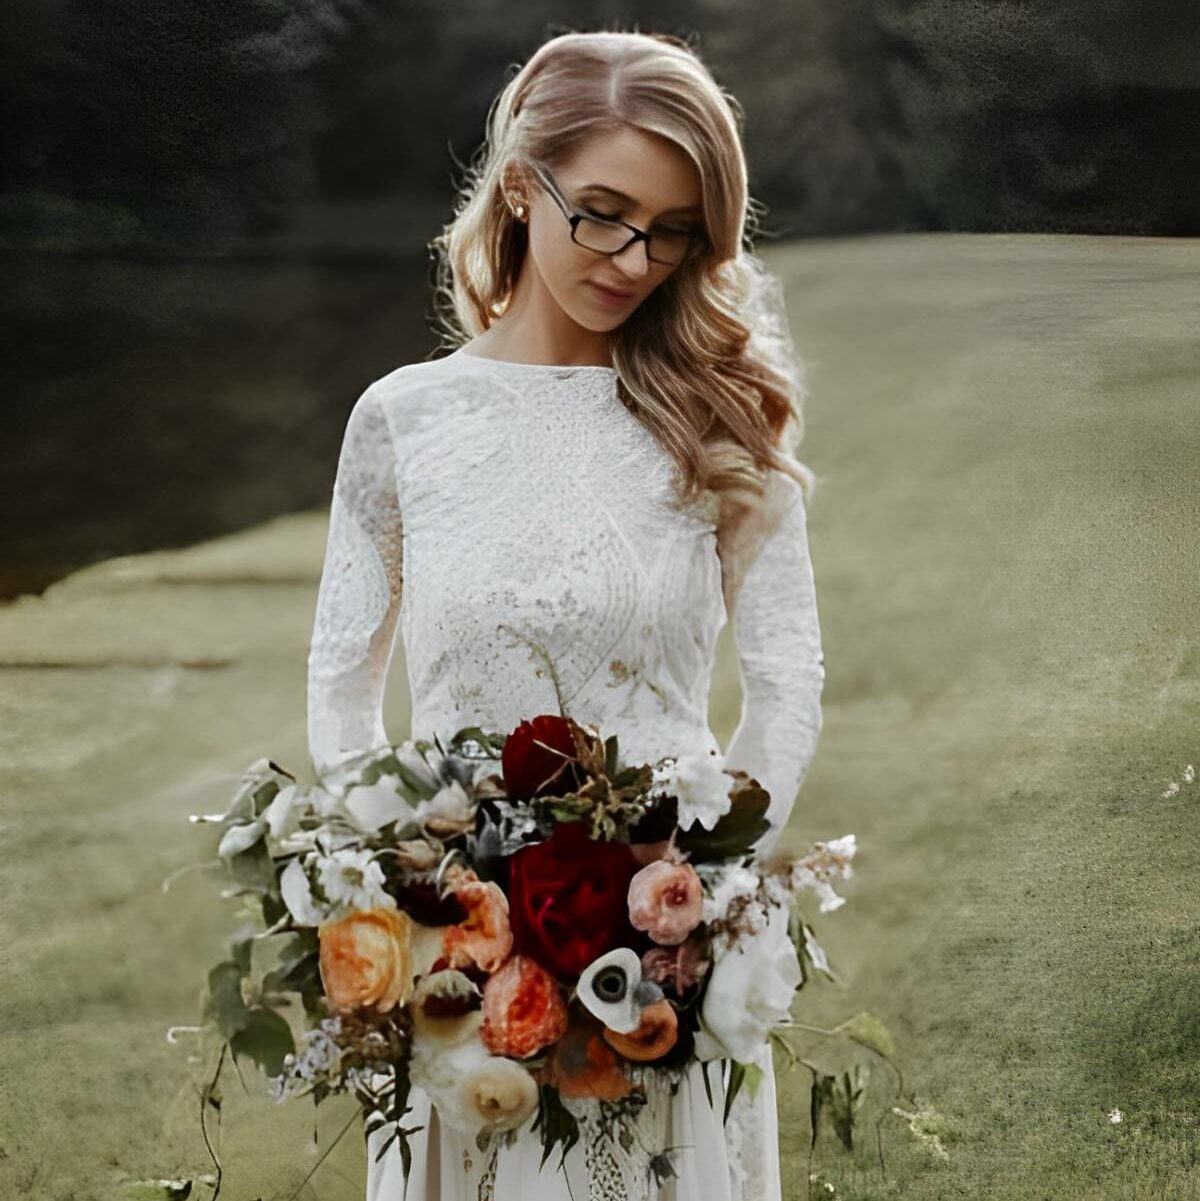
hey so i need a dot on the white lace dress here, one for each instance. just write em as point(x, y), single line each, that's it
point(514, 522)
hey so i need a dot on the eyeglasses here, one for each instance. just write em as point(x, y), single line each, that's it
point(610, 235)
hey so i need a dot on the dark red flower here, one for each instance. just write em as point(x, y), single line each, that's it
point(539, 758)
point(567, 900)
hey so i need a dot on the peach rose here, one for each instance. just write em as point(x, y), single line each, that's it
point(653, 1038)
point(523, 1009)
point(483, 937)
point(366, 959)
point(666, 900)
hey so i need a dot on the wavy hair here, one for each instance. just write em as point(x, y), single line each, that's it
point(706, 361)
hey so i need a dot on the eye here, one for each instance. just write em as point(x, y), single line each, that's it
point(602, 216)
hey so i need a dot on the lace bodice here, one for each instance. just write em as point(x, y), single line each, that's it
point(516, 523)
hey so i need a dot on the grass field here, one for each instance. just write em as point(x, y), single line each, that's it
point(1007, 431)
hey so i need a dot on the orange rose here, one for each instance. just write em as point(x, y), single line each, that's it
point(523, 1009)
point(582, 1064)
point(483, 937)
point(366, 959)
point(653, 1038)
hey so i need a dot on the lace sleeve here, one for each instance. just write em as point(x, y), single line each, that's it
point(778, 639)
point(358, 600)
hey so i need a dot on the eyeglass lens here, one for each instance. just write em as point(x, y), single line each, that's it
point(601, 236)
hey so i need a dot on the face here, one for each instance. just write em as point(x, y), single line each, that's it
point(629, 174)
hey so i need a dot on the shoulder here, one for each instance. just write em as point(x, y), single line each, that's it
point(408, 392)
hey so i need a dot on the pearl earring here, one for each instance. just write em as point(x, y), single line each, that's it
point(519, 212)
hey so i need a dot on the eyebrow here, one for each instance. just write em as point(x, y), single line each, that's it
point(599, 187)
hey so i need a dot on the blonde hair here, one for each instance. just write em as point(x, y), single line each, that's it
point(706, 361)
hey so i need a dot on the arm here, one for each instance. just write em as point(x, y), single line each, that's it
point(358, 600)
point(778, 639)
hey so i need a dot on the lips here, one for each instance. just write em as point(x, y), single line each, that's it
point(616, 293)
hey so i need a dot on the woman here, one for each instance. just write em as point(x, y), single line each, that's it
point(562, 513)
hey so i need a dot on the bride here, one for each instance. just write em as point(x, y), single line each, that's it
point(561, 514)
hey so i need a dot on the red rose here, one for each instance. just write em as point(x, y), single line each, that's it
point(533, 758)
point(567, 900)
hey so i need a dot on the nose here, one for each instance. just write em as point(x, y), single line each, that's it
point(634, 260)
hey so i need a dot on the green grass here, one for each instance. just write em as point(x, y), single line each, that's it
point(1005, 546)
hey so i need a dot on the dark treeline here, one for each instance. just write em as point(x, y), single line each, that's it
point(137, 122)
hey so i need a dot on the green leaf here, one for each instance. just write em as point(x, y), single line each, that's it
point(868, 1030)
point(273, 907)
point(610, 756)
point(557, 1123)
point(242, 947)
point(266, 1038)
point(298, 966)
point(225, 1003)
point(254, 868)
point(417, 786)
point(819, 1096)
point(741, 1075)
point(264, 794)
point(735, 832)
point(811, 952)
point(385, 765)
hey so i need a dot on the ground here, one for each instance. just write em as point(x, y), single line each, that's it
point(1004, 542)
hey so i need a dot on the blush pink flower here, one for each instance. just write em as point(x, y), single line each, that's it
point(666, 900)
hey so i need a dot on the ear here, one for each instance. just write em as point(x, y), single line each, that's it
point(515, 185)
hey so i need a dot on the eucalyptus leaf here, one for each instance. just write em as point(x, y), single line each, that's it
point(266, 1038)
point(253, 868)
point(225, 1004)
point(868, 1030)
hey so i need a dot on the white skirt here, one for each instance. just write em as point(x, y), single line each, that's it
point(734, 1161)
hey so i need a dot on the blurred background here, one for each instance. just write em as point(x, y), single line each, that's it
point(213, 224)
point(214, 218)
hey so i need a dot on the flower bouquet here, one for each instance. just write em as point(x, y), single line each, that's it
point(518, 924)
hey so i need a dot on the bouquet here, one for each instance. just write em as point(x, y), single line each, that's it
point(521, 925)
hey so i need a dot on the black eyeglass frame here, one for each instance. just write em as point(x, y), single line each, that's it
point(574, 217)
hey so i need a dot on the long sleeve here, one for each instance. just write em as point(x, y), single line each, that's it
point(358, 600)
point(778, 638)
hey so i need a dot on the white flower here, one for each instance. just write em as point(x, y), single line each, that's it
point(825, 860)
point(472, 1089)
point(354, 879)
point(725, 884)
point(379, 804)
point(319, 1055)
point(699, 782)
point(1189, 774)
point(750, 991)
point(1115, 1116)
point(297, 895)
point(450, 802)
